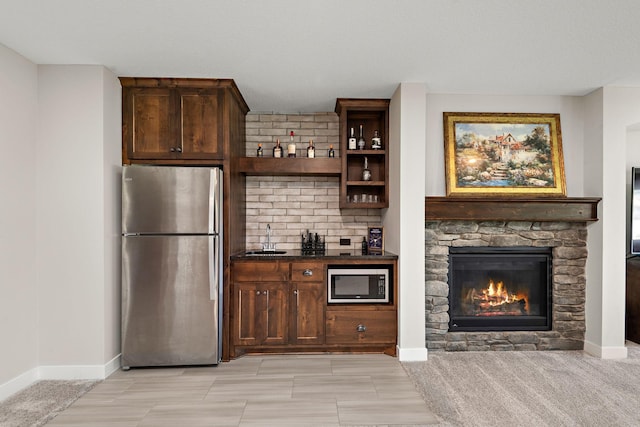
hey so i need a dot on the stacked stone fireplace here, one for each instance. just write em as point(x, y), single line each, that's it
point(567, 243)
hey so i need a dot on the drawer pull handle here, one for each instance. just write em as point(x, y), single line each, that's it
point(361, 328)
point(307, 272)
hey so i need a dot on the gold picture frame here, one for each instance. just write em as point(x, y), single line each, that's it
point(503, 154)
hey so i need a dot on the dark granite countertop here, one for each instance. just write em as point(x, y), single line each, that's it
point(329, 255)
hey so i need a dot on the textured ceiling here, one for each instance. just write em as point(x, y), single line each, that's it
point(299, 56)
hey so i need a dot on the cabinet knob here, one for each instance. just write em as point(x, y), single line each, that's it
point(295, 292)
point(172, 149)
point(361, 328)
point(257, 292)
point(307, 272)
point(179, 149)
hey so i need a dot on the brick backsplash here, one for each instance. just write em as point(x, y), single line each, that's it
point(294, 204)
point(323, 128)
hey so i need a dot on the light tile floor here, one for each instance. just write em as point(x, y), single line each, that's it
point(295, 390)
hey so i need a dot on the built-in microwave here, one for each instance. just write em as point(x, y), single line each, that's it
point(358, 284)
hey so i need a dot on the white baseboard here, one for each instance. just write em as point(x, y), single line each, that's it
point(66, 372)
point(112, 365)
point(412, 354)
point(618, 352)
point(18, 383)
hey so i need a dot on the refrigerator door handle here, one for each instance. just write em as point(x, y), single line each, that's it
point(214, 270)
point(215, 200)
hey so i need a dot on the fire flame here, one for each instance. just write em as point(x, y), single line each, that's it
point(496, 300)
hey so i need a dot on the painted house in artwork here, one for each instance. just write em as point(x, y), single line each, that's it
point(512, 150)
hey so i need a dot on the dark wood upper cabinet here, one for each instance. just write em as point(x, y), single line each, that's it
point(200, 123)
point(177, 121)
point(372, 115)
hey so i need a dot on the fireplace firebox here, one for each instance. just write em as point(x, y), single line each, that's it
point(500, 289)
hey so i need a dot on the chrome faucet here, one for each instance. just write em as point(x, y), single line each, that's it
point(269, 246)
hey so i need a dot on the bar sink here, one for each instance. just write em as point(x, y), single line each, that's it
point(263, 252)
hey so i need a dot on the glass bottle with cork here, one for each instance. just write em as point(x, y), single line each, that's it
point(376, 141)
point(277, 149)
point(366, 172)
point(291, 148)
point(352, 140)
point(311, 151)
point(361, 142)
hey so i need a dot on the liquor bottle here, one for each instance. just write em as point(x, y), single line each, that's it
point(311, 151)
point(376, 141)
point(366, 172)
point(332, 153)
point(361, 140)
point(291, 149)
point(260, 152)
point(365, 247)
point(277, 150)
point(352, 140)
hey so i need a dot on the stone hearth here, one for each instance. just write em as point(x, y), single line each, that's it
point(569, 250)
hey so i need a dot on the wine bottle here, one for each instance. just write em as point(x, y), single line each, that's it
point(311, 151)
point(332, 153)
point(260, 152)
point(291, 149)
point(376, 141)
point(361, 142)
point(277, 150)
point(352, 140)
point(366, 172)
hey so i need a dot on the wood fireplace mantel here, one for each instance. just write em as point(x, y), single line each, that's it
point(568, 209)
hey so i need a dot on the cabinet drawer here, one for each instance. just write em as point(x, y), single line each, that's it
point(307, 271)
point(272, 271)
point(361, 327)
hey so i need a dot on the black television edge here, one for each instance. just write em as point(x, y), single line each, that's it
point(635, 211)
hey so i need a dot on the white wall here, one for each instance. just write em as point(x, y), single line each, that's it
point(593, 184)
point(111, 205)
point(570, 110)
point(18, 288)
point(404, 220)
point(620, 111)
point(76, 226)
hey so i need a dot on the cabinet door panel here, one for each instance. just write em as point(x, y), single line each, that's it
point(275, 314)
point(151, 134)
point(308, 313)
point(247, 315)
point(200, 124)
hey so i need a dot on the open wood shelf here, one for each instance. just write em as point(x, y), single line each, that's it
point(327, 166)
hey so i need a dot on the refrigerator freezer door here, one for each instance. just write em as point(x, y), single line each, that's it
point(170, 314)
point(171, 200)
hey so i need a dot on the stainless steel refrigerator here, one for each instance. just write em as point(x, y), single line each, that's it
point(171, 266)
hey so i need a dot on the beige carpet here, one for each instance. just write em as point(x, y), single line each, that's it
point(41, 402)
point(545, 388)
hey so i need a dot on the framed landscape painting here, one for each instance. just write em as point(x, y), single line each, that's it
point(503, 154)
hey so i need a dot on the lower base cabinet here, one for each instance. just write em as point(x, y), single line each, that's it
point(281, 306)
point(261, 309)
